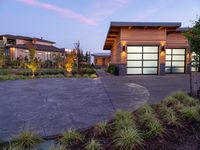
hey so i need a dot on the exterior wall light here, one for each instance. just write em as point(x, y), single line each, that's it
point(123, 46)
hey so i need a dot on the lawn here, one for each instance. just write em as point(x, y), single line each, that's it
point(173, 123)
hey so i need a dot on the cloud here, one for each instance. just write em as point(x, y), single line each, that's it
point(152, 10)
point(106, 9)
point(59, 10)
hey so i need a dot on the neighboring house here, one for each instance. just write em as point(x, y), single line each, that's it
point(101, 59)
point(148, 47)
point(17, 46)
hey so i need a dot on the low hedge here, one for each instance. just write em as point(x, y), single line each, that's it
point(113, 69)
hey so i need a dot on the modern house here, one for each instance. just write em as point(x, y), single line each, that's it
point(148, 47)
point(17, 46)
point(101, 59)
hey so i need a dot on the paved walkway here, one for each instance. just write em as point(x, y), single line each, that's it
point(51, 106)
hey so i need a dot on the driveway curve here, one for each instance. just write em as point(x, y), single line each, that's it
point(52, 106)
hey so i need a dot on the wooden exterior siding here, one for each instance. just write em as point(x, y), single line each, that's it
point(116, 51)
point(176, 40)
point(141, 35)
point(99, 61)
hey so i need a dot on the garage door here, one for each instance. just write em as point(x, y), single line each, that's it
point(142, 60)
point(175, 61)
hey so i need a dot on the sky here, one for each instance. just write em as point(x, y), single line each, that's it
point(87, 21)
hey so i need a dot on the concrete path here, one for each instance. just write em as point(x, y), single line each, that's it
point(52, 106)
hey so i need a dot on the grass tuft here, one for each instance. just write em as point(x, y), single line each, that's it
point(191, 113)
point(93, 145)
point(101, 128)
point(121, 115)
point(71, 137)
point(27, 139)
point(128, 139)
point(169, 116)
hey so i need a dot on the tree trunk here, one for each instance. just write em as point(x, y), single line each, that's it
point(191, 86)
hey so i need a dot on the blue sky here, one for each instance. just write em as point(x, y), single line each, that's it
point(67, 21)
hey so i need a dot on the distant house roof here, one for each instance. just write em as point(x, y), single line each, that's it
point(115, 28)
point(26, 38)
point(40, 47)
point(101, 55)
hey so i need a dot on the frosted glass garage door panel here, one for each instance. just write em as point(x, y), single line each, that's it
point(134, 56)
point(167, 69)
point(150, 63)
point(168, 57)
point(168, 63)
point(168, 51)
point(150, 70)
point(134, 63)
point(134, 49)
point(150, 56)
point(179, 51)
point(178, 64)
point(150, 49)
point(178, 57)
point(134, 70)
point(178, 70)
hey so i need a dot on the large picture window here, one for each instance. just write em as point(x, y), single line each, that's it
point(175, 61)
point(142, 59)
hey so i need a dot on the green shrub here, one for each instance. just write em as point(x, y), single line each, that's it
point(87, 71)
point(123, 124)
point(150, 123)
point(69, 75)
point(101, 128)
point(170, 101)
point(113, 69)
point(93, 145)
point(169, 116)
point(191, 113)
point(128, 139)
point(155, 128)
point(121, 115)
point(27, 139)
point(77, 76)
point(93, 76)
point(144, 109)
point(86, 76)
point(59, 76)
point(71, 137)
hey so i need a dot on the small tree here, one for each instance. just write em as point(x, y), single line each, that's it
point(193, 35)
point(2, 53)
point(32, 64)
point(69, 62)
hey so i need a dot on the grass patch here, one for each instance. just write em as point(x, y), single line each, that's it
point(128, 139)
point(27, 139)
point(71, 137)
point(93, 145)
point(101, 128)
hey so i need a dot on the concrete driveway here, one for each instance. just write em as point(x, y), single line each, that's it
point(52, 106)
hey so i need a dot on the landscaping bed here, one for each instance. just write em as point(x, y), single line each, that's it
point(24, 74)
point(171, 124)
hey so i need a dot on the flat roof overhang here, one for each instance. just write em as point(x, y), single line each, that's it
point(115, 27)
